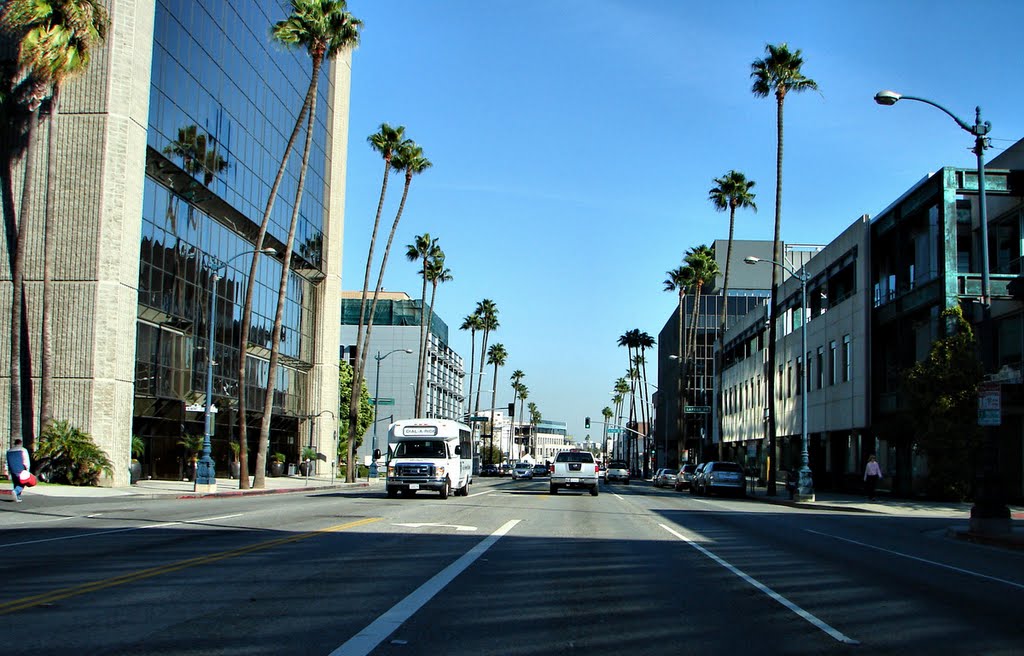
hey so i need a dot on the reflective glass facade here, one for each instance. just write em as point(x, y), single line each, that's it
point(223, 101)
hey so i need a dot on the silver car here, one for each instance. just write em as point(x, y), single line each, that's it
point(665, 478)
point(723, 477)
point(522, 470)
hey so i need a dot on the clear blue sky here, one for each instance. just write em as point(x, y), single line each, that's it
point(574, 143)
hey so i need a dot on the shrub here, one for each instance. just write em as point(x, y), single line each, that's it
point(70, 455)
point(277, 457)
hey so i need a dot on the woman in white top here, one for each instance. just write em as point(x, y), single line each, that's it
point(872, 473)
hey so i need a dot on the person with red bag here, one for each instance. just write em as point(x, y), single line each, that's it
point(18, 462)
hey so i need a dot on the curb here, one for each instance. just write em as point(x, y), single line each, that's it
point(810, 505)
point(265, 491)
point(1011, 541)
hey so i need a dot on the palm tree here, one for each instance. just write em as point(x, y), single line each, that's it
point(332, 12)
point(535, 418)
point(57, 40)
point(679, 280)
point(488, 313)
point(472, 323)
point(644, 342)
point(324, 29)
point(496, 355)
point(436, 273)
point(731, 191)
point(409, 158)
point(522, 393)
point(701, 260)
point(607, 413)
point(779, 73)
point(516, 378)
point(422, 249)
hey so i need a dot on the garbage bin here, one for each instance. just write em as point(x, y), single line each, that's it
point(291, 468)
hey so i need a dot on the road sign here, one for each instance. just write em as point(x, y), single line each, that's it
point(195, 407)
point(697, 409)
point(383, 401)
point(477, 419)
point(989, 405)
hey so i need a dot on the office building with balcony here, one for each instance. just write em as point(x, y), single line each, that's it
point(169, 145)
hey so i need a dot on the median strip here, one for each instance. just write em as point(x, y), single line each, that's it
point(74, 591)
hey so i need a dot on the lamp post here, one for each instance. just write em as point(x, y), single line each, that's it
point(376, 404)
point(989, 514)
point(805, 487)
point(310, 418)
point(206, 480)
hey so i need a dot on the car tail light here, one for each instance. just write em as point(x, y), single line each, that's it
point(551, 468)
point(597, 469)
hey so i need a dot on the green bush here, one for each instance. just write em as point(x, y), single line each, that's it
point(70, 456)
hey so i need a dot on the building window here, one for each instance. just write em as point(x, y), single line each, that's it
point(833, 363)
point(789, 378)
point(847, 359)
point(799, 375)
point(821, 367)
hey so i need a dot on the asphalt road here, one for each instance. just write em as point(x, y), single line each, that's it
point(508, 570)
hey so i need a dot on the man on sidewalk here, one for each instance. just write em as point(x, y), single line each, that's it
point(872, 474)
point(17, 462)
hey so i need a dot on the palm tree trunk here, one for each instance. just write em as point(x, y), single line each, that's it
point(421, 383)
point(250, 288)
point(420, 360)
point(723, 326)
point(49, 257)
point(259, 480)
point(472, 363)
point(772, 316)
point(679, 372)
point(494, 395)
point(483, 351)
point(18, 287)
point(357, 378)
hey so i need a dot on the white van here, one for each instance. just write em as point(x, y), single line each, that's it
point(429, 454)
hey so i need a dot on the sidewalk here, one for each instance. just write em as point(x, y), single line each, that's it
point(960, 512)
point(154, 489)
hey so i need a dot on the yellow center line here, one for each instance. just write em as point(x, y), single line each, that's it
point(74, 591)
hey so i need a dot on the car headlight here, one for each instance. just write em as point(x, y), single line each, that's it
point(440, 471)
point(391, 470)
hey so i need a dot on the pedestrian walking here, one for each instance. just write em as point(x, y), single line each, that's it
point(872, 473)
point(17, 462)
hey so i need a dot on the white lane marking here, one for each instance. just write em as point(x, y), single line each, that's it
point(367, 640)
point(920, 560)
point(617, 497)
point(457, 527)
point(480, 494)
point(119, 530)
point(833, 633)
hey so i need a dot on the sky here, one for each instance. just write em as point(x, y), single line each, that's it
point(574, 142)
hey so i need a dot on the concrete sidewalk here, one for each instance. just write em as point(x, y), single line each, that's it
point(184, 489)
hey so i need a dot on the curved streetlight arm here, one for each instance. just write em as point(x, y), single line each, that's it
point(979, 129)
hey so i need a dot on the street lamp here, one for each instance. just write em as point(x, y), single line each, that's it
point(376, 404)
point(989, 512)
point(206, 480)
point(806, 485)
point(310, 418)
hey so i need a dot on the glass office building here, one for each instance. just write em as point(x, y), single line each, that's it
point(180, 125)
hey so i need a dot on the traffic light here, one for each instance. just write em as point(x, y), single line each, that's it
point(586, 423)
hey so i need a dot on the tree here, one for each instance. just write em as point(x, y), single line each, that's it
point(701, 260)
point(679, 280)
point(57, 41)
point(607, 413)
point(366, 410)
point(778, 73)
point(942, 397)
point(535, 418)
point(324, 29)
point(522, 393)
point(409, 158)
point(472, 323)
point(69, 455)
point(422, 249)
point(488, 313)
point(436, 273)
point(731, 191)
point(496, 355)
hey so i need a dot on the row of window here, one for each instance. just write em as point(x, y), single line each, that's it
point(827, 368)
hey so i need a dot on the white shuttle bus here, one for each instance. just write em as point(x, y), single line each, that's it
point(429, 454)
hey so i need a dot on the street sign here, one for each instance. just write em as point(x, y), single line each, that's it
point(697, 409)
point(989, 405)
point(195, 407)
point(382, 401)
point(477, 419)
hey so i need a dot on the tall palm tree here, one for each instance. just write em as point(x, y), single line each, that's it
point(522, 394)
point(778, 73)
point(535, 418)
point(731, 191)
point(643, 342)
point(496, 355)
point(488, 313)
point(472, 323)
point(333, 12)
point(437, 273)
point(679, 280)
point(701, 260)
point(516, 378)
point(324, 29)
point(57, 41)
point(410, 159)
point(421, 249)
point(607, 413)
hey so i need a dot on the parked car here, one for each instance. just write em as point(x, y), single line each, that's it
point(723, 477)
point(665, 478)
point(618, 470)
point(695, 482)
point(685, 477)
point(540, 470)
point(522, 470)
point(505, 469)
point(489, 470)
